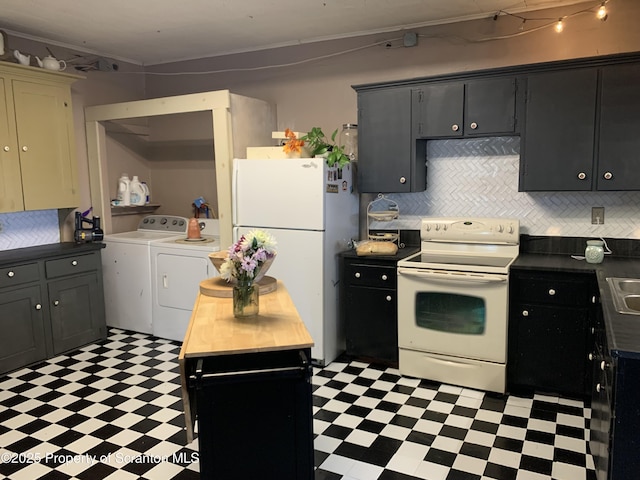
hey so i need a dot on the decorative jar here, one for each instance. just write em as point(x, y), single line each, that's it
point(594, 253)
point(246, 299)
point(349, 140)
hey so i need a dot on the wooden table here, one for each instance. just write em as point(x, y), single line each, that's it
point(243, 348)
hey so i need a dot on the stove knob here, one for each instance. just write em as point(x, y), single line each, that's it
point(428, 227)
point(175, 222)
point(437, 227)
point(510, 228)
point(146, 220)
point(163, 221)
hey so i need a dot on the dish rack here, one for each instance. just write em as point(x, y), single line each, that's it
point(382, 209)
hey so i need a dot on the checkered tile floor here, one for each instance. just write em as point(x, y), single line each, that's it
point(113, 411)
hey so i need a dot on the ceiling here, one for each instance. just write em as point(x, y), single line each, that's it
point(148, 32)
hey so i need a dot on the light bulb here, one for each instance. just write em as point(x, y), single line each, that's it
point(559, 26)
point(602, 12)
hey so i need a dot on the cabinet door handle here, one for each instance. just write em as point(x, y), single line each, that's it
point(388, 298)
point(384, 277)
point(552, 292)
point(598, 388)
point(455, 127)
point(25, 148)
point(473, 125)
point(56, 303)
point(74, 262)
point(6, 148)
point(591, 357)
point(603, 365)
point(357, 275)
point(608, 175)
point(582, 175)
point(525, 313)
point(11, 274)
point(403, 180)
point(38, 306)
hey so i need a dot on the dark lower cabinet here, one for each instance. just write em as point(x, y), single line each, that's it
point(50, 305)
point(550, 321)
point(255, 416)
point(369, 306)
point(77, 311)
point(22, 323)
point(614, 439)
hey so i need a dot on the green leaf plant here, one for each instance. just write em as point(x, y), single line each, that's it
point(320, 145)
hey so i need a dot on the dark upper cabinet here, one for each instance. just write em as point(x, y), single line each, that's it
point(618, 161)
point(472, 108)
point(579, 131)
point(386, 156)
point(559, 129)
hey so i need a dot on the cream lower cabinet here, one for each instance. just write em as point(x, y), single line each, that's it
point(38, 166)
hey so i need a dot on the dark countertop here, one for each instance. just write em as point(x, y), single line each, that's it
point(623, 331)
point(400, 254)
point(20, 255)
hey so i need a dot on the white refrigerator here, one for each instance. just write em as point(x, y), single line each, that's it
point(312, 212)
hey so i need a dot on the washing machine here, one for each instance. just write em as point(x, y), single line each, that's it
point(126, 266)
point(178, 265)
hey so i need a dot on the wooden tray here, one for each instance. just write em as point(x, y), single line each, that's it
point(217, 287)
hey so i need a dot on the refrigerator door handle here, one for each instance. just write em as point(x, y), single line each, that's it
point(234, 193)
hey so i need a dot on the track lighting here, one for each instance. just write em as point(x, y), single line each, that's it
point(559, 26)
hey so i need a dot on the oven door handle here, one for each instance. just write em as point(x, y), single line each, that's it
point(452, 277)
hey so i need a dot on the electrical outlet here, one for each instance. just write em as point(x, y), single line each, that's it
point(597, 215)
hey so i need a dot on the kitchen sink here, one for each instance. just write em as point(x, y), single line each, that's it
point(626, 294)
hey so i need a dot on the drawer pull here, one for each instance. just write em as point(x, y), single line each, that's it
point(582, 176)
point(357, 275)
point(552, 292)
point(388, 298)
point(384, 277)
point(525, 313)
point(455, 127)
point(38, 306)
point(403, 180)
point(11, 274)
point(608, 175)
point(74, 262)
point(25, 148)
point(6, 148)
point(473, 125)
point(56, 303)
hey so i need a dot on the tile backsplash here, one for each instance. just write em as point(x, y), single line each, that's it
point(479, 177)
point(28, 229)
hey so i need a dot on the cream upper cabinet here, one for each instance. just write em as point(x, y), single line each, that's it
point(39, 166)
point(10, 177)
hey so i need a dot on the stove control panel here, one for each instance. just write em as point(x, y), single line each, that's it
point(164, 223)
point(471, 230)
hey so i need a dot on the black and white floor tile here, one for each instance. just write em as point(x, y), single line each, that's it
point(113, 411)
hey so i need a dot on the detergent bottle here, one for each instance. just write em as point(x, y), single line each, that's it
point(138, 194)
point(124, 191)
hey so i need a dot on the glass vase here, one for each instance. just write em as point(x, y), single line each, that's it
point(245, 299)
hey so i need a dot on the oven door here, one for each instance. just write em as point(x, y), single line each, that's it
point(460, 314)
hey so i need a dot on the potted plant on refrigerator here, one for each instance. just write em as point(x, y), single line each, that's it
point(318, 145)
